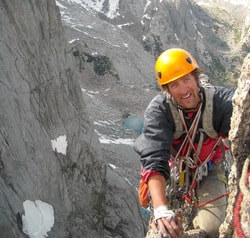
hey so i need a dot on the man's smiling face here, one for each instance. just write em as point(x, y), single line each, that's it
point(185, 91)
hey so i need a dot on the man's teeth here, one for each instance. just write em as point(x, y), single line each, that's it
point(187, 96)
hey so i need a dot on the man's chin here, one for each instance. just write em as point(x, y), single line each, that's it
point(187, 107)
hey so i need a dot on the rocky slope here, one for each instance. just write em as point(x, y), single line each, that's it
point(215, 32)
point(78, 81)
point(127, 38)
point(49, 149)
point(115, 45)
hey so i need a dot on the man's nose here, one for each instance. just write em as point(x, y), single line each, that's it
point(182, 88)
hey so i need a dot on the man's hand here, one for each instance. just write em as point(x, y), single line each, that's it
point(168, 227)
point(165, 220)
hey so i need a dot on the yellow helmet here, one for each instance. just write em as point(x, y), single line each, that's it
point(173, 64)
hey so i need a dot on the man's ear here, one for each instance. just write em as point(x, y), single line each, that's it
point(164, 88)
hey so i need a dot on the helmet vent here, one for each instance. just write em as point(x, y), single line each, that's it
point(159, 74)
point(188, 59)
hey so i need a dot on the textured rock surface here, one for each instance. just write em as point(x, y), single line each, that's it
point(240, 137)
point(40, 100)
point(240, 132)
point(215, 32)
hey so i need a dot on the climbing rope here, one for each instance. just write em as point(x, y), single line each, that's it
point(188, 145)
point(243, 193)
point(212, 200)
point(189, 195)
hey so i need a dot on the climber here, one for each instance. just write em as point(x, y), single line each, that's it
point(198, 151)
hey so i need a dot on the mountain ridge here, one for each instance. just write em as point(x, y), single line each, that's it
point(154, 25)
point(75, 83)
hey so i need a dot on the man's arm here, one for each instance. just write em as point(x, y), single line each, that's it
point(157, 188)
point(165, 220)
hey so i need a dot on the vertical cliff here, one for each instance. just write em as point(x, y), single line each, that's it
point(237, 220)
point(40, 101)
point(49, 150)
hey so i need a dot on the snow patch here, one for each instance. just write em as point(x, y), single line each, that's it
point(104, 139)
point(111, 9)
point(128, 181)
point(112, 166)
point(38, 219)
point(60, 144)
point(60, 5)
point(125, 24)
point(233, 2)
point(73, 40)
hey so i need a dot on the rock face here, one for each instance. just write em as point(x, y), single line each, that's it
point(215, 32)
point(240, 137)
point(41, 101)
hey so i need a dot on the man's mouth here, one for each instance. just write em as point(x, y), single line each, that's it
point(187, 96)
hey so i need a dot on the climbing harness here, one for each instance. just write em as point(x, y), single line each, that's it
point(187, 170)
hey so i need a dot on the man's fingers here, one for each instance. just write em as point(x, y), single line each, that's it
point(167, 228)
point(154, 227)
point(176, 225)
point(179, 222)
point(172, 228)
point(162, 228)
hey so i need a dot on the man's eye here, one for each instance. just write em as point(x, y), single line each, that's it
point(173, 85)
